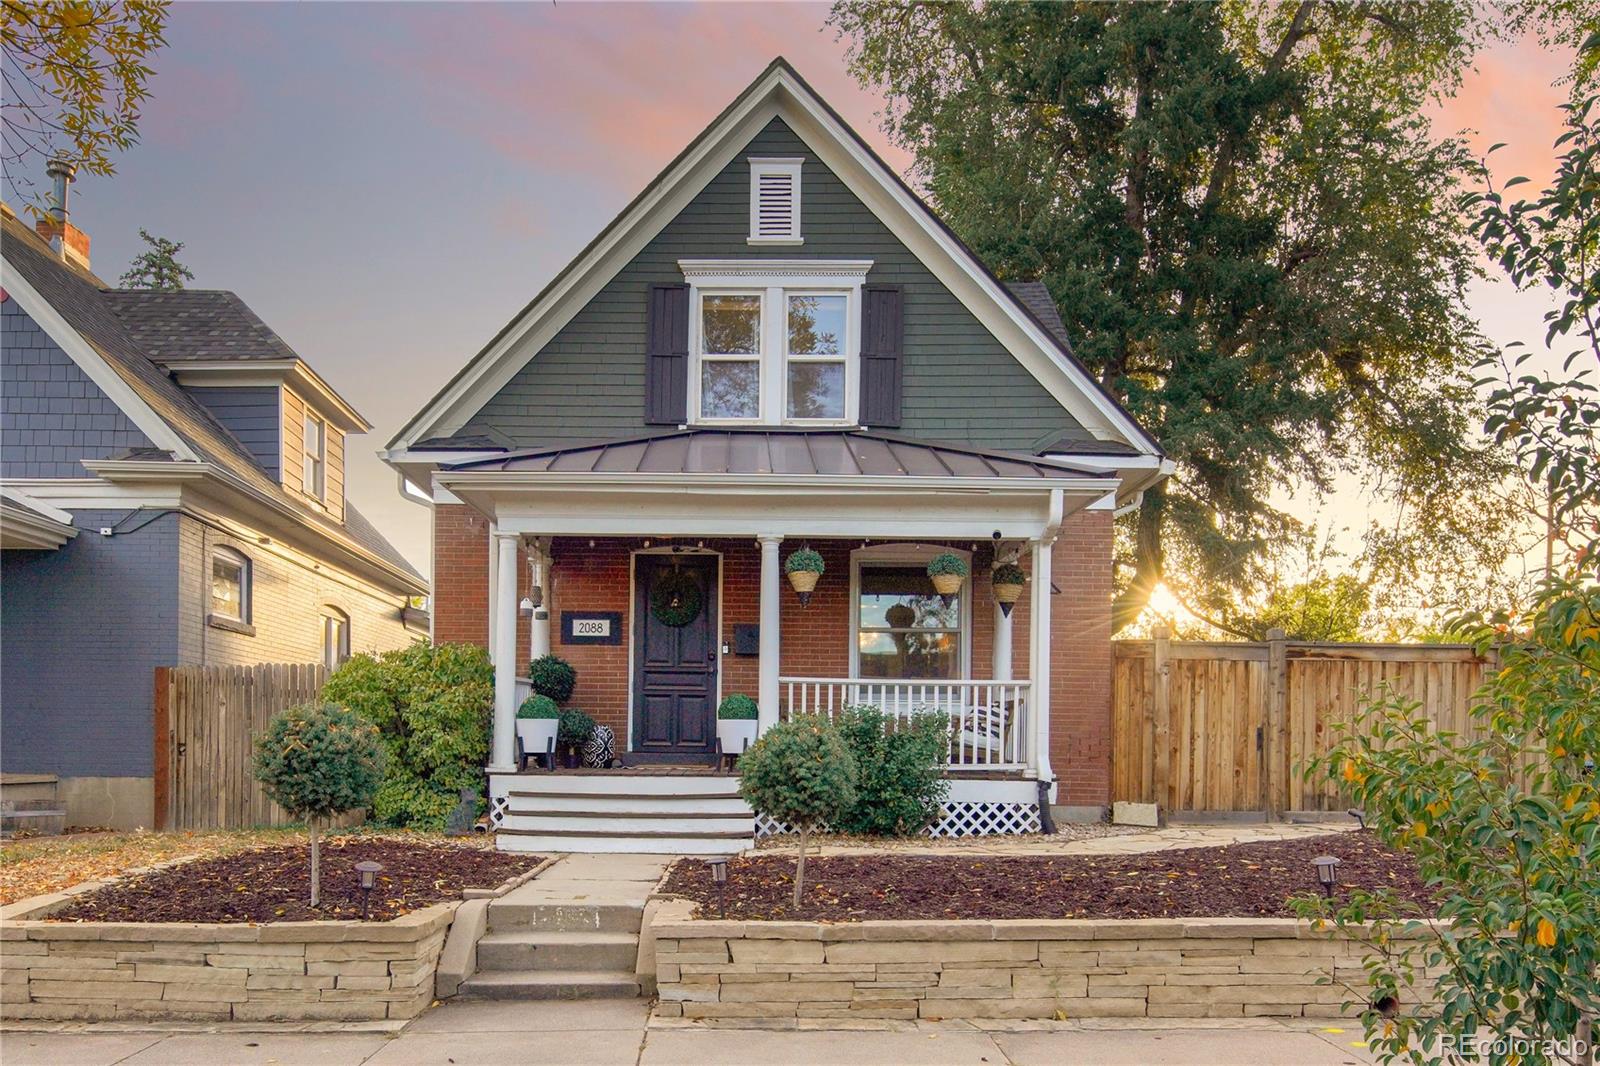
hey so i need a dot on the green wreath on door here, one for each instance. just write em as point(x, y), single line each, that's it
point(676, 599)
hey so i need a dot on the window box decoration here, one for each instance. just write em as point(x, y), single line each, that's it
point(736, 724)
point(1008, 580)
point(538, 721)
point(676, 598)
point(804, 567)
point(948, 571)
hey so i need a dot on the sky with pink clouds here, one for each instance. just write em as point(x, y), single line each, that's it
point(387, 184)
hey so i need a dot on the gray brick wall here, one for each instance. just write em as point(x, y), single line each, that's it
point(85, 628)
point(960, 383)
point(253, 415)
point(51, 413)
point(286, 607)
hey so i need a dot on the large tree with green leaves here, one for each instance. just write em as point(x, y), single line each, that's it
point(157, 267)
point(1255, 242)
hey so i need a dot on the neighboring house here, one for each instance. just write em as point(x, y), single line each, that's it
point(778, 345)
point(173, 493)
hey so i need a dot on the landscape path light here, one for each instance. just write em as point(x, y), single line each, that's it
point(719, 875)
point(1327, 872)
point(367, 873)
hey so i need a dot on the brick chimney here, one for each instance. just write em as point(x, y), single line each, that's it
point(66, 240)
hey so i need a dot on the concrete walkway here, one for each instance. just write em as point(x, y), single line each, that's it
point(618, 1033)
point(1111, 842)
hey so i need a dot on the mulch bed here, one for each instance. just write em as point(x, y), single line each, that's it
point(1238, 880)
point(274, 884)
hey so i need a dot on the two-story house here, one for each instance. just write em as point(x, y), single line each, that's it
point(171, 493)
point(776, 346)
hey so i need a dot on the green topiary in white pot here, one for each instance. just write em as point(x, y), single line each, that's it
point(736, 723)
point(538, 719)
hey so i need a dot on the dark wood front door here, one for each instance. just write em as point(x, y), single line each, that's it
point(675, 666)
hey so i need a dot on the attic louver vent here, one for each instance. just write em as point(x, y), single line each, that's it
point(775, 201)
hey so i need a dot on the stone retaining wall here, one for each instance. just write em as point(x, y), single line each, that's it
point(292, 971)
point(1156, 968)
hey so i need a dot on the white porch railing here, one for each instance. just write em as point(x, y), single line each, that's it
point(988, 719)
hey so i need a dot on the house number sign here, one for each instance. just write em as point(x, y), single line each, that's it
point(591, 627)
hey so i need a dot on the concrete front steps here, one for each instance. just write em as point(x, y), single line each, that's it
point(571, 933)
point(640, 813)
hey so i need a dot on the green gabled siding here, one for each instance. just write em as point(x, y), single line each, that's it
point(961, 385)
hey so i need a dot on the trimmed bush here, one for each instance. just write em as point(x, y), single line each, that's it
point(900, 767)
point(575, 728)
point(799, 772)
point(947, 563)
point(553, 676)
point(804, 560)
point(318, 761)
point(539, 706)
point(737, 708)
point(432, 706)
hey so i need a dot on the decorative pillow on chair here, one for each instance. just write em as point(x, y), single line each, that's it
point(601, 747)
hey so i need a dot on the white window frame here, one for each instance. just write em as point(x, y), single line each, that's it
point(700, 357)
point(314, 464)
point(791, 167)
point(775, 281)
point(333, 657)
point(907, 555)
point(234, 557)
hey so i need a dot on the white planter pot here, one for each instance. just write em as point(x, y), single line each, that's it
point(537, 734)
point(736, 734)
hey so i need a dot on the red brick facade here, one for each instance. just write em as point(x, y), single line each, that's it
point(596, 576)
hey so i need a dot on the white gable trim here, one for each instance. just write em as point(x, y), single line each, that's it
point(81, 352)
point(778, 93)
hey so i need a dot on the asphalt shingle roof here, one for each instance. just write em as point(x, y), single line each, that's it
point(80, 298)
point(194, 324)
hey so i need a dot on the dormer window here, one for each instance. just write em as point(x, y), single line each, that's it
point(775, 201)
point(315, 450)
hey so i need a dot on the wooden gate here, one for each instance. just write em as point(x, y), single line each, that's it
point(206, 720)
point(1227, 727)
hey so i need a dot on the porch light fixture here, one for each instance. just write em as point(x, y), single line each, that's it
point(367, 873)
point(525, 608)
point(1327, 872)
point(719, 877)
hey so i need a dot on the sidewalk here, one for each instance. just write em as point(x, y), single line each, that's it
point(618, 1033)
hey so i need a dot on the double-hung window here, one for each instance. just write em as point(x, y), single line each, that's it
point(774, 342)
point(904, 630)
point(335, 637)
point(315, 451)
point(230, 586)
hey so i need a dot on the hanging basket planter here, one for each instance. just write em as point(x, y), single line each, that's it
point(948, 571)
point(804, 567)
point(1008, 580)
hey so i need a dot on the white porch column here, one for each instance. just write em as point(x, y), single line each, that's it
point(1002, 644)
point(1039, 660)
point(771, 591)
point(503, 751)
point(539, 627)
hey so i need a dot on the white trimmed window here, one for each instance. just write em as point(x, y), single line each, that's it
point(903, 629)
point(230, 585)
point(335, 637)
point(314, 446)
point(775, 201)
point(774, 342)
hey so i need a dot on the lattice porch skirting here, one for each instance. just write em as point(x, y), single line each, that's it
point(956, 820)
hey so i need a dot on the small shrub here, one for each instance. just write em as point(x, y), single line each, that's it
point(553, 676)
point(539, 706)
point(799, 772)
point(432, 706)
point(900, 766)
point(947, 563)
point(738, 708)
point(575, 728)
point(1009, 574)
point(805, 560)
point(318, 761)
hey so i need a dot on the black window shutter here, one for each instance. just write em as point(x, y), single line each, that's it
point(882, 344)
point(666, 376)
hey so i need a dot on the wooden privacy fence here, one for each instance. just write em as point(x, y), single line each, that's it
point(206, 721)
point(1202, 726)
